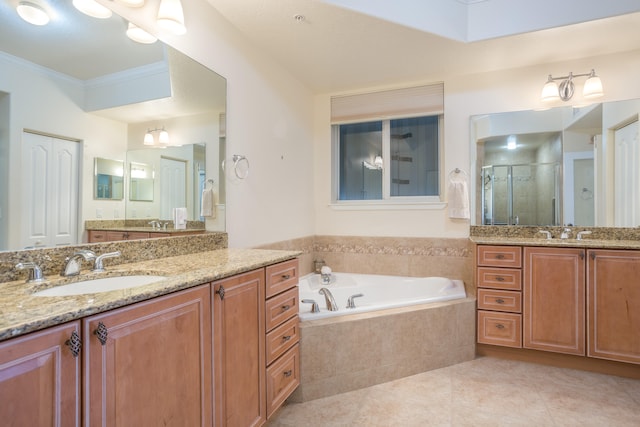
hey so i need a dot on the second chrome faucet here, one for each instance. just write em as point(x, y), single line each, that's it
point(73, 264)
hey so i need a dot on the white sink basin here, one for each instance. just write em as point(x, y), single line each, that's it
point(104, 284)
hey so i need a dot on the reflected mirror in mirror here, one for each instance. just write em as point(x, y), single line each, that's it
point(140, 182)
point(108, 179)
point(82, 79)
point(562, 166)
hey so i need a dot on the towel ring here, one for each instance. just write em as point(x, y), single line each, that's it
point(240, 166)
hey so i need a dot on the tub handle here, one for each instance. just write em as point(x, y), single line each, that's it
point(350, 303)
point(314, 308)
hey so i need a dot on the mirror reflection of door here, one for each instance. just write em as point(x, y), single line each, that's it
point(173, 186)
point(50, 186)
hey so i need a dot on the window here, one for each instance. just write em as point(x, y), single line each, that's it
point(388, 160)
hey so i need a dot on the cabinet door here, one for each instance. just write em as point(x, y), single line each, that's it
point(554, 299)
point(613, 296)
point(154, 368)
point(40, 379)
point(239, 372)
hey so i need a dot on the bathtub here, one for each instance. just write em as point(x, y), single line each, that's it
point(379, 292)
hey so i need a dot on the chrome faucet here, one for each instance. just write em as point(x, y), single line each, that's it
point(350, 303)
point(314, 305)
point(565, 233)
point(582, 233)
point(325, 275)
point(73, 263)
point(546, 233)
point(98, 265)
point(154, 224)
point(35, 273)
point(328, 297)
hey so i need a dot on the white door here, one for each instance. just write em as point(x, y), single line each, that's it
point(627, 176)
point(50, 193)
point(173, 187)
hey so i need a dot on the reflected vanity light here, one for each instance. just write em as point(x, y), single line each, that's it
point(171, 17)
point(32, 13)
point(92, 8)
point(376, 165)
point(553, 91)
point(139, 35)
point(511, 142)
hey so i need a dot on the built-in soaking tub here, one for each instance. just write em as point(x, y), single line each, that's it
point(401, 326)
point(377, 292)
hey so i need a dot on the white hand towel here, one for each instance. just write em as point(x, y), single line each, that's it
point(180, 218)
point(208, 208)
point(458, 190)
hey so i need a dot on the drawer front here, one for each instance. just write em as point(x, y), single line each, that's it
point(490, 299)
point(282, 339)
point(281, 277)
point(503, 329)
point(281, 308)
point(500, 278)
point(500, 256)
point(283, 376)
point(97, 236)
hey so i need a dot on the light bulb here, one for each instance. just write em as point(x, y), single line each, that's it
point(164, 137)
point(139, 35)
point(32, 13)
point(171, 17)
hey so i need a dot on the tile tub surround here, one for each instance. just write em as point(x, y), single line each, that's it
point(350, 352)
point(51, 260)
point(21, 312)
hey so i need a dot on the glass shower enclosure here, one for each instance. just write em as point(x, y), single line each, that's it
point(508, 192)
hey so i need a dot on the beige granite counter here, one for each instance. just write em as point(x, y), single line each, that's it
point(22, 312)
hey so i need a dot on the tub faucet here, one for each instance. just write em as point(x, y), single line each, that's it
point(314, 305)
point(73, 263)
point(350, 302)
point(98, 264)
point(325, 275)
point(328, 297)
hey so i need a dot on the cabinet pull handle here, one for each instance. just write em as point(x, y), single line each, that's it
point(286, 276)
point(74, 343)
point(285, 307)
point(593, 255)
point(499, 256)
point(286, 338)
point(499, 279)
point(220, 292)
point(581, 255)
point(287, 373)
point(101, 332)
point(499, 300)
point(500, 326)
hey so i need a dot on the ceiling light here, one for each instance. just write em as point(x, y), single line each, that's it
point(32, 13)
point(171, 17)
point(139, 35)
point(564, 91)
point(92, 8)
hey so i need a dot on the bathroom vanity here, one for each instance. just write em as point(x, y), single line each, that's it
point(179, 349)
point(566, 296)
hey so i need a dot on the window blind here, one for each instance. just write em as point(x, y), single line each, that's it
point(405, 102)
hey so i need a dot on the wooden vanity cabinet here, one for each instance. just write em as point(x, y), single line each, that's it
point(238, 330)
point(499, 297)
point(613, 295)
point(149, 364)
point(554, 299)
point(40, 379)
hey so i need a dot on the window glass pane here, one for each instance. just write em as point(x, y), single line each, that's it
point(414, 157)
point(360, 178)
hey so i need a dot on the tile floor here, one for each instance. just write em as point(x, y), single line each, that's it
point(482, 392)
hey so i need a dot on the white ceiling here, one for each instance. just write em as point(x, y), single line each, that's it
point(335, 48)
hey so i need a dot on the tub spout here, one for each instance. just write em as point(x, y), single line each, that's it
point(331, 303)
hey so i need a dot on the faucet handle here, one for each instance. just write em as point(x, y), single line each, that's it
point(582, 233)
point(35, 273)
point(350, 303)
point(546, 233)
point(314, 308)
point(98, 265)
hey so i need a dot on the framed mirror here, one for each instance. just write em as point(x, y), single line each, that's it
point(108, 179)
point(140, 182)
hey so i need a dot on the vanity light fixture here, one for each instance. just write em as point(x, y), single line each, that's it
point(139, 35)
point(376, 165)
point(32, 13)
point(511, 142)
point(553, 91)
point(163, 137)
point(92, 8)
point(171, 17)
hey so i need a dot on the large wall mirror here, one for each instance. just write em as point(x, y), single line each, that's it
point(82, 82)
point(562, 166)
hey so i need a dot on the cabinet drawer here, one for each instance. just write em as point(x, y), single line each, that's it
point(500, 256)
point(503, 329)
point(282, 379)
point(500, 278)
point(490, 299)
point(97, 236)
point(281, 307)
point(281, 277)
point(282, 339)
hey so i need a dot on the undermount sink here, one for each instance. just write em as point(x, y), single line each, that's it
point(104, 284)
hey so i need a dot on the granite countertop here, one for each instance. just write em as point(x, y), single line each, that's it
point(567, 243)
point(22, 312)
point(150, 230)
